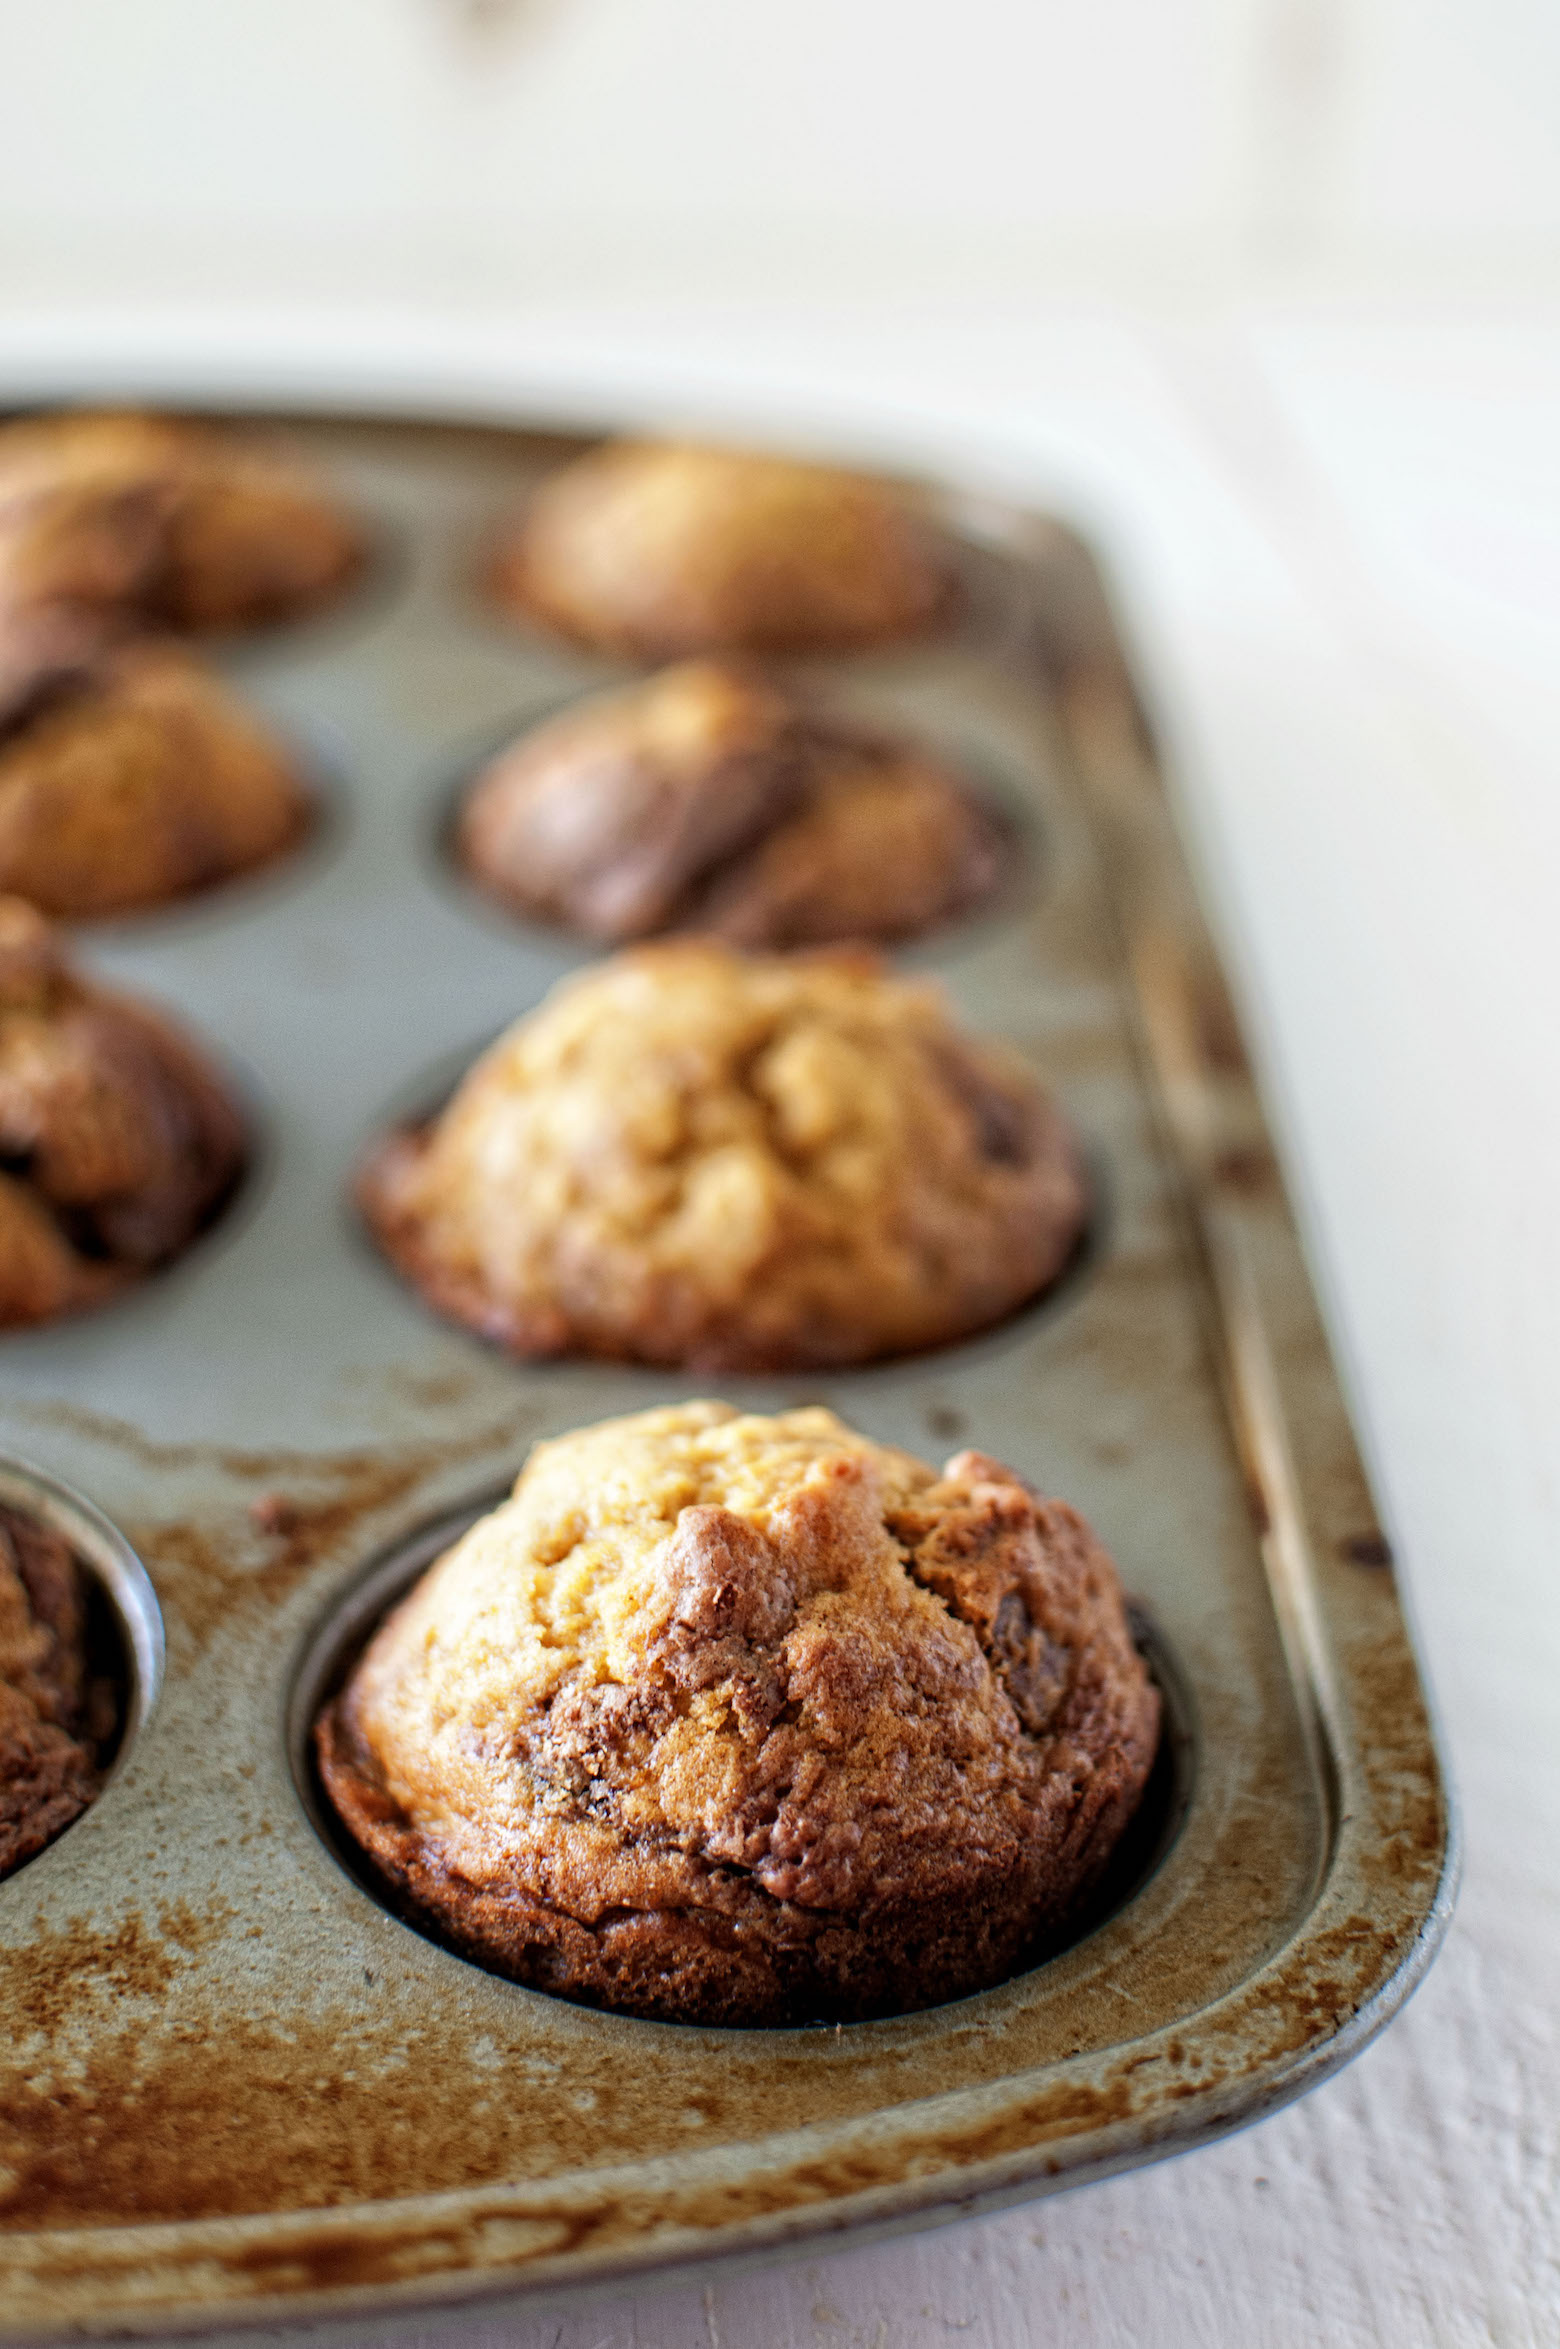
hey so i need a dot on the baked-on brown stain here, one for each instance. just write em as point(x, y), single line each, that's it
point(102, 2147)
point(207, 1569)
point(292, 2119)
point(111, 2140)
point(1367, 1549)
point(43, 1983)
point(1247, 1168)
point(308, 1506)
point(237, 1461)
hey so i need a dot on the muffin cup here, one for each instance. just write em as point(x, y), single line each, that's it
point(124, 1631)
point(335, 1641)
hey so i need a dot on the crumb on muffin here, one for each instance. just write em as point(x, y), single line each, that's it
point(690, 1155)
point(743, 1720)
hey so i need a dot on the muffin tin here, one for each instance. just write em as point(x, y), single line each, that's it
point(232, 2085)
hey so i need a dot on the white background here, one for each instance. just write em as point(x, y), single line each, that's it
point(1268, 292)
point(1150, 143)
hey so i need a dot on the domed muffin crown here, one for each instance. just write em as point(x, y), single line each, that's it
point(732, 1718)
point(165, 522)
point(656, 549)
point(129, 774)
point(706, 798)
point(118, 1142)
point(691, 1155)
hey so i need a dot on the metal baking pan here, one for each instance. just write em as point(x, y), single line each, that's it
point(234, 2087)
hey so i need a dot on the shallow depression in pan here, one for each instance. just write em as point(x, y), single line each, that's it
point(340, 1635)
point(124, 1630)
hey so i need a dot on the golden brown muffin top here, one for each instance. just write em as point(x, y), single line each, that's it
point(692, 1155)
point(165, 521)
point(704, 797)
point(662, 548)
point(698, 1640)
point(129, 774)
point(117, 1141)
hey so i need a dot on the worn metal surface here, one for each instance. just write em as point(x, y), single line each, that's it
point(231, 2086)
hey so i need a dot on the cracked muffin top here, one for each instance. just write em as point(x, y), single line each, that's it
point(732, 1719)
point(165, 522)
point(706, 798)
point(56, 1716)
point(656, 549)
point(118, 1142)
point(129, 774)
point(690, 1155)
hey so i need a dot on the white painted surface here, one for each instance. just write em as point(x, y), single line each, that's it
point(1137, 140)
point(1338, 542)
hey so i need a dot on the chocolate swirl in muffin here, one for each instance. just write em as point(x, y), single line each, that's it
point(707, 798)
point(118, 1141)
point(165, 522)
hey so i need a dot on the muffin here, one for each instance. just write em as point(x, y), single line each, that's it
point(57, 1718)
point(742, 1162)
point(706, 798)
point(165, 522)
point(118, 1143)
point(657, 549)
point(129, 775)
point(736, 1720)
